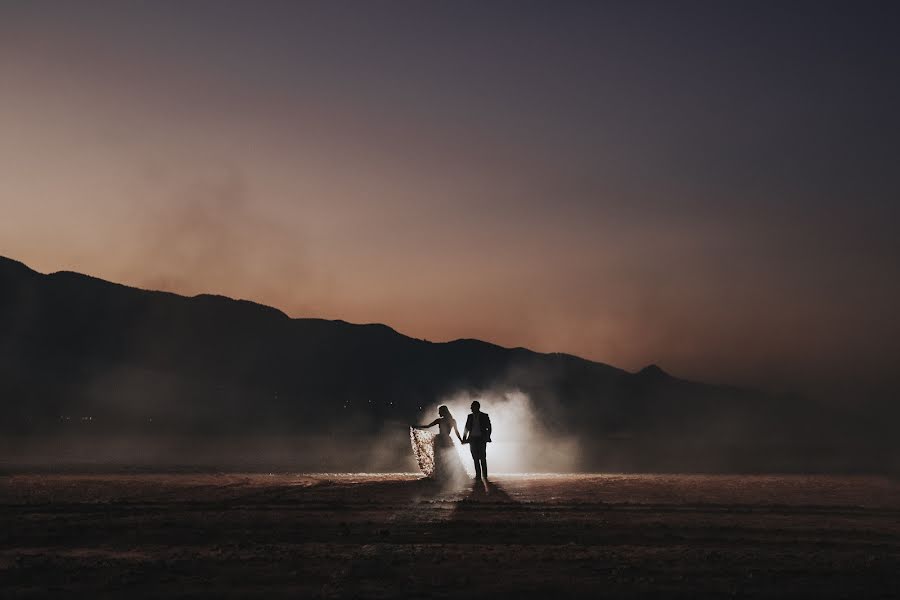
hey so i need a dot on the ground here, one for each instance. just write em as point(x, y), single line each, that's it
point(397, 536)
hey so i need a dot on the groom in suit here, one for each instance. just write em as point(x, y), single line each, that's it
point(477, 434)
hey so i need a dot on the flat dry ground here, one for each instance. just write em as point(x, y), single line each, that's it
point(395, 536)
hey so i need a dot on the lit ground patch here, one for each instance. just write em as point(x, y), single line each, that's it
point(396, 536)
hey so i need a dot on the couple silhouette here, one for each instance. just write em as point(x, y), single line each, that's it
point(436, 454)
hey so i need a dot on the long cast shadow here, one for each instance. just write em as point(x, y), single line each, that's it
point(488, 491)
point(482, 502)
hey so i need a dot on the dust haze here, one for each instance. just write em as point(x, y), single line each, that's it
point(522, 441)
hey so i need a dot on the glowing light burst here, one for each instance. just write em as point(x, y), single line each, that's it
point(503, 457)
point(520, 442)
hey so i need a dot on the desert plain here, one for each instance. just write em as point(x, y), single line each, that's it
point(342, 535)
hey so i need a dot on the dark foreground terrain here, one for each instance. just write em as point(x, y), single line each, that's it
point(395, 536)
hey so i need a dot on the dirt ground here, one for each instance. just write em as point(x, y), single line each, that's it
point(396, 536)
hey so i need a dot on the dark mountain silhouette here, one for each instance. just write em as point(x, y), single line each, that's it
point(74, 346)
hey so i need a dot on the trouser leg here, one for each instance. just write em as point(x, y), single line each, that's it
point(484, 467)
point(477, 449)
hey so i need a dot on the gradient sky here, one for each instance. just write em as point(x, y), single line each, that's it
point(713, 187)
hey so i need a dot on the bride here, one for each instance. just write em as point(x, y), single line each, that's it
point(436, 454)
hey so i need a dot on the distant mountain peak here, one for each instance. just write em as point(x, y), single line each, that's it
point(654, 371)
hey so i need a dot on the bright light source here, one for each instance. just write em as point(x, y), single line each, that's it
point(520, 443)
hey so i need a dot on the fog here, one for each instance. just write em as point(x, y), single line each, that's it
point(521, 442)
point(386, 451)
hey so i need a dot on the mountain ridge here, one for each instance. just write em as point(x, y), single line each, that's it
point(89, 297)
point(651, 368)
point(265, 307)
point(208, 365)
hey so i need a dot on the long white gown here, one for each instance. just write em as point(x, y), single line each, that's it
point(436, 454)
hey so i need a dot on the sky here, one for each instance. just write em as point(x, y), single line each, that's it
point(709, 186)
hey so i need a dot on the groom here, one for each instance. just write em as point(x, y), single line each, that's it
point(477, 434)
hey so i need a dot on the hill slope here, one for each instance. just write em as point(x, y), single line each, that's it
point(73, 345)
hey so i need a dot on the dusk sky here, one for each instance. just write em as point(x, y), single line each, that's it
point(710, 186)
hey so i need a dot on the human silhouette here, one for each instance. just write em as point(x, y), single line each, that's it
point(437, 456)
point(477, 434)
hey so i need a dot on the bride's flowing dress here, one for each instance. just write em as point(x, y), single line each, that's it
point(436, 454)
point(423, 449)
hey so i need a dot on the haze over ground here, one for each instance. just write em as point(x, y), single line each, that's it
point(96, 371)
point(709, 187)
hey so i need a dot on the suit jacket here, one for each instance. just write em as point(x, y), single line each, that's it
point(484, 422)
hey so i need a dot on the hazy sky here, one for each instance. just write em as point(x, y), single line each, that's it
point(714, 187)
